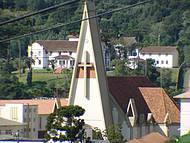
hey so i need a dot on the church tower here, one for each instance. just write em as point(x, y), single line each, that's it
point(89, 85)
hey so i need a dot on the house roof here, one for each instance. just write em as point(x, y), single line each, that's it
point(65, 57)
point(159, 49)
point(42, 104)
point(153, 137)
point(124, 88)
point(185, 95)
point(6, 122)
point(58, 45)
point(148, 99)
point(160, 104)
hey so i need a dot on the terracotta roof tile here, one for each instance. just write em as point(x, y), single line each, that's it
point(159, 49)
point(148, 99)
point(153, 137)
point(58, 45)
point(45, 106)
point(124, 88)
point(164, 104)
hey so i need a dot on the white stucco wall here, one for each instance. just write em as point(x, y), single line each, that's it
point(185, 116)
point(162, 59)
point(6, 112)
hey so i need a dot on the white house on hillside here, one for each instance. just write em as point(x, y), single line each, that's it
point(62, 52)
point(164, 56)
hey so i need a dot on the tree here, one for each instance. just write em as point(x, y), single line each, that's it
point(120, 68)
point(96, 134)
point(65, 124)
point(151, 70)
point(29, 61)
point(114, 135)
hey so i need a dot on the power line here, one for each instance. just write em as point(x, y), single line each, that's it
point(76, 21)
point(38, 12)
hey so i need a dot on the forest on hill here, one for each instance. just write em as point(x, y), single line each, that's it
point(166, 22)
point(160, 22)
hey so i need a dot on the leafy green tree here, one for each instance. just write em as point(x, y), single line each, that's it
point(29, 61)
point(120, 68)
point(65, 124)
point(97, 134)
point(151, 71)
point(114, 135)
point(61, 84)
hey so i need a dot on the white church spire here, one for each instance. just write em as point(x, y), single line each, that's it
point(89, 86)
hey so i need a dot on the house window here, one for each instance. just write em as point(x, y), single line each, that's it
point(46, 51)
point(34, 110)
point(162, 62)
point(39, 62)
point(34, 119)
point(40, 122)
point(50, 53)
point(150, 54)
point(14, 113)
point(34, 129)
point(39, 53)
point(59, 53)
point(70, 52)
point(157, 62)
point(166, 62)
point(60, 62)
point(71, 63)
point(63, 62)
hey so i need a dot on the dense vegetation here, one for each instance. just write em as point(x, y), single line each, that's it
point(161, 22)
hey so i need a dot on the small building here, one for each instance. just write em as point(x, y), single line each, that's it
point(164, 56)
point(32, 113)
point(23, 114)
point(184, 113)
point(10, 129)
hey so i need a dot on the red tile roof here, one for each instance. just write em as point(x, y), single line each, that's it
point(65, 57)
point(124, 88)
point(45, 106)
point(148, 99)
point(58, 45)
point(153, 137)
point(159, 49)
point(164, 104)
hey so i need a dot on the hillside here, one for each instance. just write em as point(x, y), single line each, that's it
point(168, 20)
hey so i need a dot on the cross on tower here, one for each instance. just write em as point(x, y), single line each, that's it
point(85, 66)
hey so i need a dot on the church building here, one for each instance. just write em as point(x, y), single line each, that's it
point(131, 102)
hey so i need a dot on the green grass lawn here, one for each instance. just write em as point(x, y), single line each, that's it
point(37, 76)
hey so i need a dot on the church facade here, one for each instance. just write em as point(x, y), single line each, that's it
point(131, 102)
